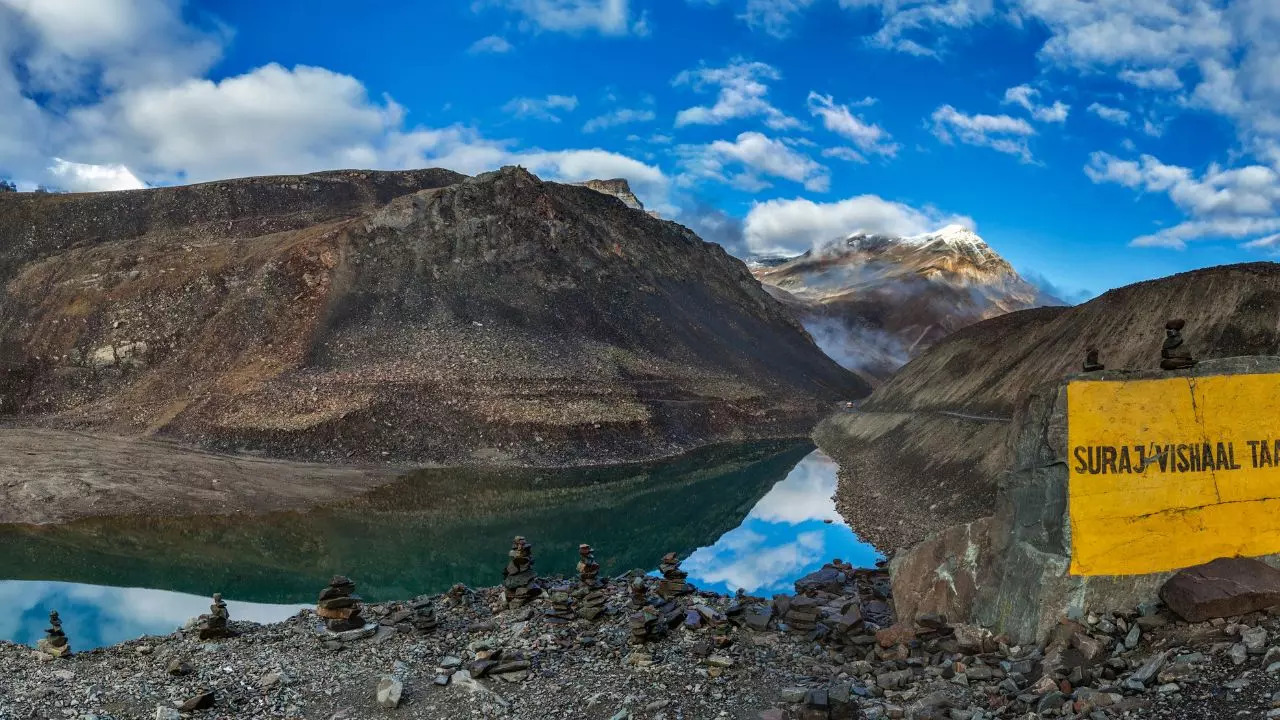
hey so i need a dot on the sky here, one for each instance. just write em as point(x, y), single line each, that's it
point(1093, 143)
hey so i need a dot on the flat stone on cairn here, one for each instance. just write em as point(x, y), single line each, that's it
point(214, 625)
point(673, 578)
point(54, 643)
point(590, 594)
point(1174, 354)
point(519, 582)
point(338, 605)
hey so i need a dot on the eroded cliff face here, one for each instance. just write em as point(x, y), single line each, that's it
point(413, 315)
point(924, 450)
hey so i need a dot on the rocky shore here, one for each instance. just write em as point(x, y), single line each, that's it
point(657, 650)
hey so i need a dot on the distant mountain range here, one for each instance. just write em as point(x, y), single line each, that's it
point(872, 302)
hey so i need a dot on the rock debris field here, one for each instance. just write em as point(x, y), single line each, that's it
point(658, 649)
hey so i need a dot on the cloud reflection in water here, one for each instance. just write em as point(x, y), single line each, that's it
point(784, 537)
point(98, 615)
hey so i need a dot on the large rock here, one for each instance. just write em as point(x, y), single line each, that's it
point(1222, 588)
point(1011, 572)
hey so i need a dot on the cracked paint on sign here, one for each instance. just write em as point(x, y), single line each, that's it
point(1169, 473)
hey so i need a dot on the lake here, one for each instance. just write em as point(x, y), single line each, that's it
point(754, 516)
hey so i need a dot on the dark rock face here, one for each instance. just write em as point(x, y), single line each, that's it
point(414, 316)
point(1011, 571)
point(936, 431)
point(1222, 588)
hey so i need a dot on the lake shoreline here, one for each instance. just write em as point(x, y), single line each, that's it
point(59, 476)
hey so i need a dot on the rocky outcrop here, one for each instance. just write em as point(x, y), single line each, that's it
point(935, 433)
point(873, 302)
point(1012, 571)
point(617, 187)
point(419, 316)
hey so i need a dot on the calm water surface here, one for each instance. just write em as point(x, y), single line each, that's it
point(755, 517)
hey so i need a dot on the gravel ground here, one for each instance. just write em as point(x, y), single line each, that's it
point(742, 658)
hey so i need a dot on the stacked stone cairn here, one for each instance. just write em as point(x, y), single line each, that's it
point(338, 605)
point(1091, 363)
point(590, 595)
point(673, 578)
point(645, 622)
point(424, 616)
point(1174, 354)
point(561, 610)
point(519, 583)
point(214, 625)
point(54, 643)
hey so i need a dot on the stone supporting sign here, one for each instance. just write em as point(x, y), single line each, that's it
point(1118, 480)
point(1172, 472)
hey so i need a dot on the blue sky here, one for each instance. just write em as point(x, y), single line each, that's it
point(1092, 142)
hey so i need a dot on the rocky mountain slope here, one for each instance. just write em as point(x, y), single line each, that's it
point(415, 315)
point(933, 436)
point(873, 301)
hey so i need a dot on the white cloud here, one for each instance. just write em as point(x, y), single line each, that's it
point(790, 227)
point(774, 16)
point(1025, 96)
point(1110, 114)
point(1222, 203)
point(1155, 79)
point(620, 116)
point(839, 119)
point(915, 26)
point(607, 17)
point(747, 160)
point(490, 44)
point(741, 92)
point(843, 153)
point(540, 108)
point(999, 132)
point(79, 177)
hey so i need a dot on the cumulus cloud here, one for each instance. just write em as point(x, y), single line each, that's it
point(1237, 203)
point(790, 227)
point(747, 160)
point(620, 116)
point(1110, 114)
point(80, 177)
point(741, 93)
point(1001, 133)
point(495, 44)
point(540, 108)
point(839, 119)
point(607, 17)
point(1155, 79)
point(1025, 96)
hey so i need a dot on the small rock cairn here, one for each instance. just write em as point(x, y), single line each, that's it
point(54, 643)
point(424, 616)
point(519, 582)
point(673, 582)
point(561, 610)
point(590, 593)
point(214, 625)
point(1173, 354)
point(644, 621)
point(1091, 363)
point(338, 605)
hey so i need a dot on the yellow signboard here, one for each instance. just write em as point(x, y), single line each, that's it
point(1174, 472)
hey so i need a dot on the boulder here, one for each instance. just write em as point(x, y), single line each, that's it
point(1222, 588)
point(389, 691)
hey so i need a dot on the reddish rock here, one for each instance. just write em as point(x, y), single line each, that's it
point(1222, 588)
point(899, 634)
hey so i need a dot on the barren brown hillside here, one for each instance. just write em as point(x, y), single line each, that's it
point(416, 315)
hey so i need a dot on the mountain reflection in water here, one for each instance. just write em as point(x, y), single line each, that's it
point(750, 517)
